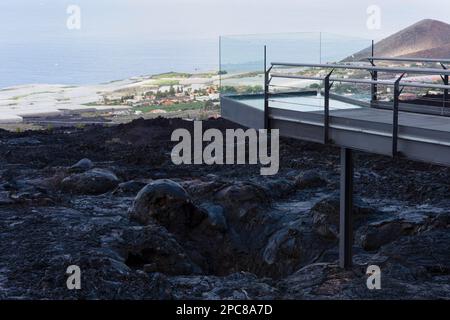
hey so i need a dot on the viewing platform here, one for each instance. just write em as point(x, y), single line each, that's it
point(392, 128)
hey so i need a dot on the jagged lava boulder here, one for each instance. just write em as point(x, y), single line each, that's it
point(242, 199)
point(167, 203)
point(131, 187)
point(309, 179)
point(92, 182)
point(153, 249)
point(325, 215)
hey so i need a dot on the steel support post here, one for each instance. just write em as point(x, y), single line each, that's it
point(373, 48)
point(445, 91)
point(397, 93)
point(395, 119)
point(326, 113)
point(374, 87)
point(346, 209)
point(266, 91)
point(445, 80)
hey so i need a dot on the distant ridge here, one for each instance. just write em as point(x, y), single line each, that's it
point(427, 39)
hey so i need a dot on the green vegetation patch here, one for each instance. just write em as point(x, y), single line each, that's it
point(169, 75)
point(242, 89)
point(166, 82)
point(195, 105)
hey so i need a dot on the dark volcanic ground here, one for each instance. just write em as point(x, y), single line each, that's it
point(210, 232)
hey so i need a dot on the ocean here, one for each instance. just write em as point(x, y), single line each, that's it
point(93, 61)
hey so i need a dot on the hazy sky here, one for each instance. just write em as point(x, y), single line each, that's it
point(28, 20)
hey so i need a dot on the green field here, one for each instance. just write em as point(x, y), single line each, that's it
point(171, 75)
point(181, 75)
point(176, 107)
point(166, 82)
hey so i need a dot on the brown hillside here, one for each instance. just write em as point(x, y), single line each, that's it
point(427, 38)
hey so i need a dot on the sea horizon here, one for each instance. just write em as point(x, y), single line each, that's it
point(93, 61)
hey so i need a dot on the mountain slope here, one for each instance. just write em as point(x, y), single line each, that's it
point(427, 38)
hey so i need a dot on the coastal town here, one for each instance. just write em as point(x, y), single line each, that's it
point(40, 105)
point(166, 91)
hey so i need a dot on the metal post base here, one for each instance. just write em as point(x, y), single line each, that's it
point(346, 209)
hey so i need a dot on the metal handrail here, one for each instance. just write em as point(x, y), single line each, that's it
point(442, 62)
point(427, 71)
point(366, 81)
point(329, 81)
point(424, 60)
point(347, 80)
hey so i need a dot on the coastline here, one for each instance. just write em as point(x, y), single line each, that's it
point(17, 103)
